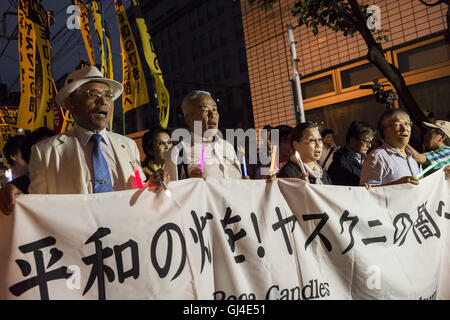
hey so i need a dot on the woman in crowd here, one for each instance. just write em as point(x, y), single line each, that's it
point(18, 151)
point(285, 138)
point(156, 143)
point(307, 141)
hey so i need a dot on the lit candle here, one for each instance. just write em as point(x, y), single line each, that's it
point(8, 175)
point(244, 166)
point(241, 152)
point(138, 178)
point(426, 170)
point(202, 158)
point(297, 155)
point(272, 163)
point(166, 189)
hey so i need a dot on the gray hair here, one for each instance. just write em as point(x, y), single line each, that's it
point(388, 115)
point(192, 96)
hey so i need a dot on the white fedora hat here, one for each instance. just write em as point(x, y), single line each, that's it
point(82, 76)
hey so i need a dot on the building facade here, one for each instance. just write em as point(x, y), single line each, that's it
point(199, 45)
point(332, 66)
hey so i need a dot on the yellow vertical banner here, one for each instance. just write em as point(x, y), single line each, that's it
point(8, 116)
point(8, 119)
point(106, 57)
point(109, 69)
point(134, 86)
point(68, 123)
point(96, 10)
point(85, 29)
point(45, 113)
point(27, 62)
point(152, 62)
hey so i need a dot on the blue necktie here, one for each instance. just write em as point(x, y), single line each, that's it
point(102, 179)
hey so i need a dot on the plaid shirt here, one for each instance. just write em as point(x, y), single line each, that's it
point(441, 156)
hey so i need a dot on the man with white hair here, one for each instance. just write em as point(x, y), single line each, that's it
point(219, 158)
point(392, 162)
point(87, 159)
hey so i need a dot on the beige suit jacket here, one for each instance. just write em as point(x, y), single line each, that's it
point(55, 164)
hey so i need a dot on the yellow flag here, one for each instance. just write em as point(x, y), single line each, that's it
point(83, 20)
point(27, 61)
point(107, 65)
point(96, 11)
point(134, 87)
point(68, 123)
point(152, 62)
point(109, 69)
point(8, 120)
point(45, 113)
point(85, 29)
point(8, 116)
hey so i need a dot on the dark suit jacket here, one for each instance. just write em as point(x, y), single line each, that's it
point(345, 169)
point(22, 183)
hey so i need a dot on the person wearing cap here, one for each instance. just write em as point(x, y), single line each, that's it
point(436, 140)
point(391, 163)
point(87, 159)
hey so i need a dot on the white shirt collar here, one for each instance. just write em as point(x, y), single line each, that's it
point(84, 135)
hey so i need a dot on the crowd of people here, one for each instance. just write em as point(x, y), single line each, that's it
point(90, 159)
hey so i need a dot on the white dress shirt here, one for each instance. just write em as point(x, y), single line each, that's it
point(219, 162)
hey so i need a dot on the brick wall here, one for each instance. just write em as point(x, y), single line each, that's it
point(269, 57)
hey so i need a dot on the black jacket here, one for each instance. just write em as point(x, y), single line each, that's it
point(345, 170)
point(292, 170)
point(22, 183)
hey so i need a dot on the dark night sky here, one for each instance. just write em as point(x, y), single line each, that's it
point(67, 48)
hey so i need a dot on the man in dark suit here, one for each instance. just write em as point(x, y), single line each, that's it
point(347, 161)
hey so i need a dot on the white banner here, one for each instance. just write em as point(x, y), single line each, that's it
point(231, 240)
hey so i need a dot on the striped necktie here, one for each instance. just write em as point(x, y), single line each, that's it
point(102, 178)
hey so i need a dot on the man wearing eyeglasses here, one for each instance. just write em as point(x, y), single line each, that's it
point(345, 169)
point(87, 159)
point(392, 162)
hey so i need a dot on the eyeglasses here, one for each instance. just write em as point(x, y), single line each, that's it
point(397, 124)
point(367, 141)
point(95, 94)
point(314, 141)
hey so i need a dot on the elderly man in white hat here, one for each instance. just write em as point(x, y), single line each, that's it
point(87, 159)
point(436, 141)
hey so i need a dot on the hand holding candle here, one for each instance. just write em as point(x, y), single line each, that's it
point(272, 163)
point(157, 182)
point(163, 175)
point(304, 174)
point(137, 175)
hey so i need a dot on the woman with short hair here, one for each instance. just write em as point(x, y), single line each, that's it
point(307, 141)
point(156, 143)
